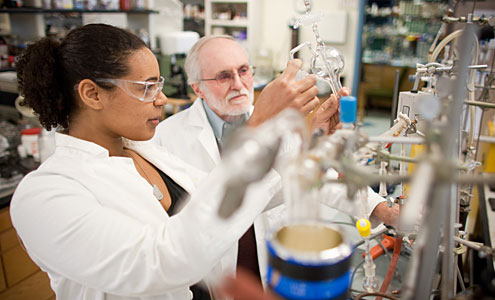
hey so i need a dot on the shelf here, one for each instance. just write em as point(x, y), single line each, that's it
point(66, 11)
point(228, 1)
point(197, 20)
point(414, 17)
point(373, 35)
point(391, 63)
point(379, 16)
point(245, 26)
point(229, 23)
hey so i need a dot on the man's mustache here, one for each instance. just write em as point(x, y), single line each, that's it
point(237, 93)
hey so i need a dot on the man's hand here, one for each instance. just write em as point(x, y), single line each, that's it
point(327, 115)
point(285, 92)
point(244, 287)
point(388, 215)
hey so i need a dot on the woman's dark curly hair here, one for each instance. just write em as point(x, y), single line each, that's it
point(48, 70)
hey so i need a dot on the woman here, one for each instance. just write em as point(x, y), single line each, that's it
point(96, 216)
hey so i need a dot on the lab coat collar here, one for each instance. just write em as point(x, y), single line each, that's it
point(197, 118)
point(184, 175)
point(70, 143)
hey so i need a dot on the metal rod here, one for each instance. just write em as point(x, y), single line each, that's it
point(398, 140)
point(471, 245)
point(486, 139)
point(420, 275)
point(395, 97)
point(439, 218)
point(480, 104)
point(358, 51)
point(403, 158)
point(376, 179)
point(479, 134)
point(448, 271)
point(448, 145)
point(459, 276)
point(373, 178)
point(477, 66)
point(482, 86)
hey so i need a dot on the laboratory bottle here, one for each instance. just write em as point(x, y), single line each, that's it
point(29, 142)
point(125, 5)
point(46, 144)
point(348, 108)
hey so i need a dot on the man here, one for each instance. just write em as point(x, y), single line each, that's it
point(205, 119)
point(219, 73)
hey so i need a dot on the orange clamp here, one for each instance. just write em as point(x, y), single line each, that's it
point(387, 242)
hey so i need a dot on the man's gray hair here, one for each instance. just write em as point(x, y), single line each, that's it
point(192, 63)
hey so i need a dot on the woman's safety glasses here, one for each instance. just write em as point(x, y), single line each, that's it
point(146, 91)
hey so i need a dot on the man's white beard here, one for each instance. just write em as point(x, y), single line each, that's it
point(224, 107)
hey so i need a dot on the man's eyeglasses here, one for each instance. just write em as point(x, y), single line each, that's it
point(224, 77)
point(146, 91)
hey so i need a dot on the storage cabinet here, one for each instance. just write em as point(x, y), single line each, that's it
point(400, 32)
point(20, 278)
point(397, 34)
point(377, 85)
point(30, 23)
point(239, 18)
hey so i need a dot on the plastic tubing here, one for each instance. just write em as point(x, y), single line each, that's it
point(392, 266)
point(361, 296)
point(444, 43)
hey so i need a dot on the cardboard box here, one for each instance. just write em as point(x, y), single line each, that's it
point(3, 284)
point(5, 222)
point(8, 240)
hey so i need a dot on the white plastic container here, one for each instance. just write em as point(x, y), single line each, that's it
point(46, 144)
point(29, 141)
point(177, 42)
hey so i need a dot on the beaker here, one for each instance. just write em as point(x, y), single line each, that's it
point(308, 260)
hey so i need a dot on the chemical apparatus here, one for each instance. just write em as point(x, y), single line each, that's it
point(326, 62)
point(309, 258)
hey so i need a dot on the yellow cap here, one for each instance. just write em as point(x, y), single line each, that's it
point(364, 227)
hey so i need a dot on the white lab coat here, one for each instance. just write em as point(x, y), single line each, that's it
point(92, 223)
point(189, 135)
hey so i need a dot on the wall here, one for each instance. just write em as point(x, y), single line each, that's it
point(276, 33)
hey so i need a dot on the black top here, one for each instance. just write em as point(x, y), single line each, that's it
point(176, 192)
point(247, 255)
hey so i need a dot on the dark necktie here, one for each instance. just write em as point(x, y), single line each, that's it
point(247, 255)
point(227, 130)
